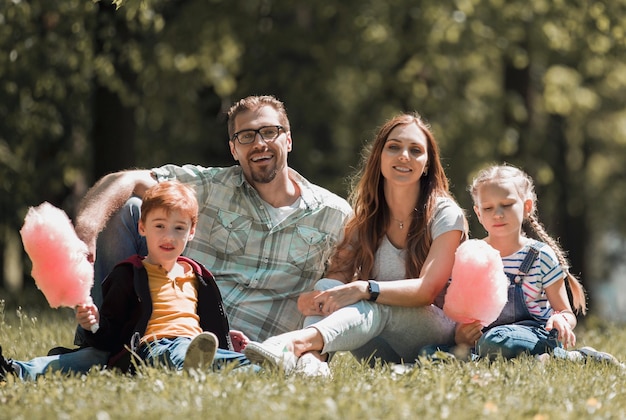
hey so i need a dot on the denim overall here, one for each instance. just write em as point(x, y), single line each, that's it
point(516, 331)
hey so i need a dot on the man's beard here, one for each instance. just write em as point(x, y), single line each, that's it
point(264, 176)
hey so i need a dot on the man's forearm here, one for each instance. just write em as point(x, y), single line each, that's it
point(106, 197)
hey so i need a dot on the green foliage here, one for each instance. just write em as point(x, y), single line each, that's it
point(538, 83)
point(45, 73)
point(519, 389)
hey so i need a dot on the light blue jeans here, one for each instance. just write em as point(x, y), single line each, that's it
point(512, 340)
point(79, 362)
point(118, 241)
point(171, 352)
point(390, 333)
point(516, 331)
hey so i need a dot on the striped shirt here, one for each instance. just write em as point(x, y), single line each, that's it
point(260, 268)
point(545, 271)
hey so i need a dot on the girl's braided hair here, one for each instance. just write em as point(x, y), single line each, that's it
point(526, 190)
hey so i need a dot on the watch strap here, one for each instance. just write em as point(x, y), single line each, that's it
point(373, 290)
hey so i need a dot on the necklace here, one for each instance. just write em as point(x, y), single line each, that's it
point(401, 222)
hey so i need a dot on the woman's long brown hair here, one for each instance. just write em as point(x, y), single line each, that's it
point(354, 256)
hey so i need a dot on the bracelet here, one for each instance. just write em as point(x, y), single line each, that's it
point(566, 311)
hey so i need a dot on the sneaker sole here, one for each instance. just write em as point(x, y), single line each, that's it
point(599, 356)
point(258, 355)
point(201, 351)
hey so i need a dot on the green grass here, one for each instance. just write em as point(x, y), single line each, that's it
point(520, 389)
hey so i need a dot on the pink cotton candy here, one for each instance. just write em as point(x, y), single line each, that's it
point(60, 266)
point(478, 290)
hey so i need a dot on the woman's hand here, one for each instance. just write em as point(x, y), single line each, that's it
point(307, 305)
point(338, 297)
point(239, 340)
point(468, 334)
point(561, 324)
point(87, 315)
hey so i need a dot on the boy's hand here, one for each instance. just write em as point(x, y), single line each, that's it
point(87, 315)
point(239, 340)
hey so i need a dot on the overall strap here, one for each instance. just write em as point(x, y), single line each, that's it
point(527, 262)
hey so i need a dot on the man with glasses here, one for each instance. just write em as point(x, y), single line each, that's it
point(264, 231)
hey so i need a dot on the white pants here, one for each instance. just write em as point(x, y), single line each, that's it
point(391, 333)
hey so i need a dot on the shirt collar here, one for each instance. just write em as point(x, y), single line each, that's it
point(306, 191)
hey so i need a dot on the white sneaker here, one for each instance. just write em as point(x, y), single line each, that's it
point(309, 365)
point(600, 356)
point(201, 351)
point(273, 352)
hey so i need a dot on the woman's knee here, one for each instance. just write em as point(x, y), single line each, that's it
point(325, 284)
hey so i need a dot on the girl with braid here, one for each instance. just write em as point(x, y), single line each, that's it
point(537, 318)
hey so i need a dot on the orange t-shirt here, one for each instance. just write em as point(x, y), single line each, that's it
point(174, 304)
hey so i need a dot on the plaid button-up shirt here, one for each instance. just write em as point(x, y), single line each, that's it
point(261, 269)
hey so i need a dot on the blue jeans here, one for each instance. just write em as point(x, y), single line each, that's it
point(79, 361)
point(514, 332)
point(390, 333)
point(119, 240)
point(512, 340)
point(171, 352)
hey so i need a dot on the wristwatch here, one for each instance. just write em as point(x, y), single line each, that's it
point(373, 290)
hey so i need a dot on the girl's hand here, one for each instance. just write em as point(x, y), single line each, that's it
point(566, 335)
point(239, 340)
point(307, 305)
point(468, 334)
point(87, 315)
point(336, 298)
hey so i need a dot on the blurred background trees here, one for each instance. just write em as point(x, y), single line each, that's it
point(87, 88)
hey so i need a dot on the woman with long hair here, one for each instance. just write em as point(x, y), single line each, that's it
point(395, 258)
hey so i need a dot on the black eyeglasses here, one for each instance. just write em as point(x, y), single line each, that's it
point(268, 133)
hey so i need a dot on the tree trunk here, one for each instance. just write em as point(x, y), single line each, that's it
point(113, 133)
point(114, 124)
point(569, 222)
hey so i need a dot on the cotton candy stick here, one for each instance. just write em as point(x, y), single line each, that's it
point(478, 289)
point(59, 258)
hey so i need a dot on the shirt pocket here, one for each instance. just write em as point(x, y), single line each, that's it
point(230, 232)
point(309, 249)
